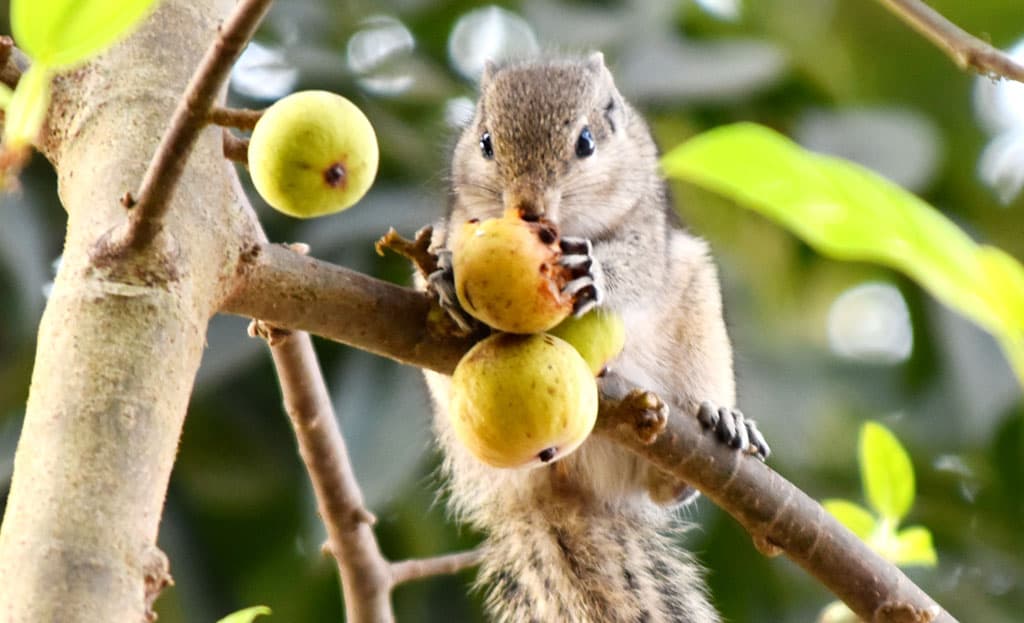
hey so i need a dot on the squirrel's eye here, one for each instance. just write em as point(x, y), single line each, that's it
point(585, 144)
point(485, 146)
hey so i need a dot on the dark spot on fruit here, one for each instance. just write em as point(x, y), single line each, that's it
point(547, 454)
point(473, 221)
point(469, 297)
point(335, 175)
point(547, 235)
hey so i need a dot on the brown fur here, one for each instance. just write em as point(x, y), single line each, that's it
point(585, 540)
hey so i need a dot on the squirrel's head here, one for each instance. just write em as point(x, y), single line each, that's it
point(552, 139)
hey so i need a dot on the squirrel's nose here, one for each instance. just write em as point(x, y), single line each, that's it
point(528, 209)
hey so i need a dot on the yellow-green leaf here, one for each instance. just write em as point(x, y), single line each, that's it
point(848, 212)
point(61, 33)
point(5, 96)
point(26, 111)
point(246, 615)
point(886, 472)
point(855, 517)
point(914, 547)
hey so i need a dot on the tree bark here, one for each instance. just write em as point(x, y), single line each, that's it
point(120, 340)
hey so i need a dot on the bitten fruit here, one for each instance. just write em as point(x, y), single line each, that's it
point(312, 153)
point(522, 400)
point(507, 274)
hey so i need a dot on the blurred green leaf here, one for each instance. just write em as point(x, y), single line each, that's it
point(858, 519)
point(246, 615)
point(61, 33)
point(886, 472)
point(837, 612)
point(851, 213)
point(27, 109)
point(914, 547)
point(5, 95)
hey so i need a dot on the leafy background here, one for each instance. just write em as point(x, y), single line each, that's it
point(821, 345)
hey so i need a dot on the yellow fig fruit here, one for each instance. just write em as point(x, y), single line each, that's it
point(312, 153)
point(507, 274)
point(522, 400)
point(598, 336)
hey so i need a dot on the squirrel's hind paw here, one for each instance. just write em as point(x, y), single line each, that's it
point(586, 286)
point(733, 428)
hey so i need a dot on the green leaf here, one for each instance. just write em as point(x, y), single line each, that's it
point(26, 111)
point(886, 471)
point(246, 615)
point(61, 33)
point(914, 547)
point(858, 519)
point(5, 96)
point(848, 212)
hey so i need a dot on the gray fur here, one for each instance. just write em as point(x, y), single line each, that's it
point(584, 540)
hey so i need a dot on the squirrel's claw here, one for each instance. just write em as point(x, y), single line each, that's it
point(442, 283)
point(586, 287)
point(734, 429)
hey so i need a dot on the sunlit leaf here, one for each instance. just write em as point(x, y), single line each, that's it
point(246, 615)
point(5, 95)
point(914, 547)
point(850, 213)
point(837, 612)
point(855, 517)
point(26, 111)
point(886, 472)
point(60, 33)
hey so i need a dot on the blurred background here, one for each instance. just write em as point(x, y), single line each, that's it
point(822, 346)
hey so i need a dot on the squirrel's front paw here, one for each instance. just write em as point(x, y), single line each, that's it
point(733, 428)
point(442, 283)
point(586, 287)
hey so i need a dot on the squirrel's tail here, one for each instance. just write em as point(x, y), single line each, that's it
point(587, 565)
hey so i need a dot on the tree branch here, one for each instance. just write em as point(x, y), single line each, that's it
point(145, 220)
point(966, 50)
point(365, 573)
point(290, 290)
point(236, 149)
point(417, 569)
point(780, 517)
point(241, 118)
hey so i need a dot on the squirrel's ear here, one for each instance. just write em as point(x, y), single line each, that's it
point(595, 62)
point(490, 68)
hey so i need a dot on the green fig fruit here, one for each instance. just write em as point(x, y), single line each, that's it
point(598, 335)
point(312, 153)
point(522, 400)
point(507, 274)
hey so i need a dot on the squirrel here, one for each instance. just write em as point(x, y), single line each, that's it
point(588, 539)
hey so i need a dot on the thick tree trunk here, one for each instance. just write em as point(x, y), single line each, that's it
point(121, 339)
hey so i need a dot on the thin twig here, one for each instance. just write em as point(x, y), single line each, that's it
point(393, 322)
point(966, 50)
point(236, 149)
point(416, 569)
point(168, 163)
point(365, 573)
point(241, 118)
point(416, 251)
